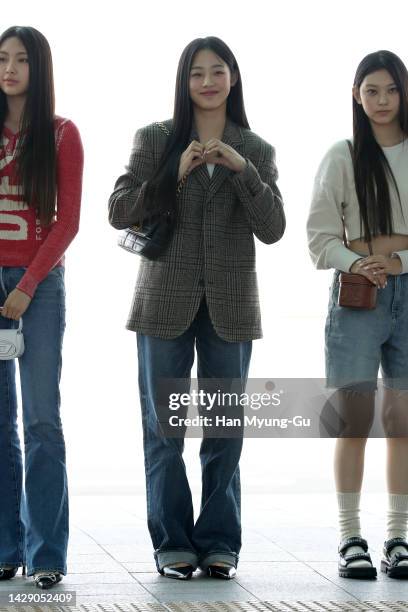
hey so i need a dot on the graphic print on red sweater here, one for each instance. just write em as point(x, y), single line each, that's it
point(24, 242)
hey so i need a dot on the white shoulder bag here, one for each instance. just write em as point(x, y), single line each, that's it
point(12, 342)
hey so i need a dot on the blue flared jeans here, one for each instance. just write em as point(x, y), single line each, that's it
point(216, 534)
point(34, 500)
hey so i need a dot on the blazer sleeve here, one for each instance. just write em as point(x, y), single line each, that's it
point(126, 201)
point(324, 224)
point(257, 191)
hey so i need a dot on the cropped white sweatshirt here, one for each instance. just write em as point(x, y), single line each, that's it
point(334, 185)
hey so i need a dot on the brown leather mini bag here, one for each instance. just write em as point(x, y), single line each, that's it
point(356, 291)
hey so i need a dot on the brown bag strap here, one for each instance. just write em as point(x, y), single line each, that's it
point(370, 245)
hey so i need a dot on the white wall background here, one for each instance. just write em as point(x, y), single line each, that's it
point(115, 65)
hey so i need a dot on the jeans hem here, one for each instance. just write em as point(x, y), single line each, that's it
point(351, 385)
point(167, 557)
point(41, 568)
point(222, 557)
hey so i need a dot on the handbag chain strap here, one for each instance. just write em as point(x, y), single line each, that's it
point(184, 178)
point(370, 245)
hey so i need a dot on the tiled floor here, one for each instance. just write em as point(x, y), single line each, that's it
point(288, 555)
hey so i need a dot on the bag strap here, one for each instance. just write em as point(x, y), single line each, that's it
point(163, 127)
point(370, 245)
point(182, 180)
point(20, 322)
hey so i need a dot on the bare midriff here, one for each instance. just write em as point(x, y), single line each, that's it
point(382, 245)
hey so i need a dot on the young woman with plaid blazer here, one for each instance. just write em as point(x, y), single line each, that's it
point(201, 291)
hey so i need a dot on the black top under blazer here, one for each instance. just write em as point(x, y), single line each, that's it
point(212, 249)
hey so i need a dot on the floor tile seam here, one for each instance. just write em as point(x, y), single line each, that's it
point(295, 557)
point(135, 580)
point(284, 550)
point(361, 601)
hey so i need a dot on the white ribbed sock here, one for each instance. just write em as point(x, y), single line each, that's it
point(397, 520)
point(397, 516)
point(349, 522)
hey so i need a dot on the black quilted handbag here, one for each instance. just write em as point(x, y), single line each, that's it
point(151, 238)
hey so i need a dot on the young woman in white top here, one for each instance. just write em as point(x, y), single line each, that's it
point(368, 184)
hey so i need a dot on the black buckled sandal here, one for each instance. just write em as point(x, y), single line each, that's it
point(390, 563)
point(361, 573)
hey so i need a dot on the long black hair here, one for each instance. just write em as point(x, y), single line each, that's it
point(161, 188)
point(371, 167)
point(36, 156)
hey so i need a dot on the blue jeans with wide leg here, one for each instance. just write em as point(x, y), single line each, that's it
point(216, 534)
point(34, 505)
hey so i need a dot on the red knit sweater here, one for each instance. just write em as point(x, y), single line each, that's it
point(24, 242)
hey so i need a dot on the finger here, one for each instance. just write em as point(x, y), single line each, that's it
point(371, 278)
point(194, 164)
point(212, 149)
point(380, 279)
point(375, 266)
point(374, 260)
point(195, 143)
point(212, 141)
point(193, 153)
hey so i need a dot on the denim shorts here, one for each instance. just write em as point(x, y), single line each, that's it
point(359, 341)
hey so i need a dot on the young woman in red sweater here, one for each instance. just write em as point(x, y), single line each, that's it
point(41, 161)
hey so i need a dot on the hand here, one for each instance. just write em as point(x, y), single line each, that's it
point(377, 278)
point(381, 264)
point(191, 158)
point(15, 305)
point(217, 152)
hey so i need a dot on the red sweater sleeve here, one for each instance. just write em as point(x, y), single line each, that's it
point(70, 158)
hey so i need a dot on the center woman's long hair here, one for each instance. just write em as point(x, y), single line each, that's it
point(161, 189)
point(36, 154)
point(371, 167)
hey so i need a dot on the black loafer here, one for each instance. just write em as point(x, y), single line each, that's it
point(183, 572)
point(6, 573)
point(46, 580)
point(390, 562)
point(360, 573)
point(224, 572)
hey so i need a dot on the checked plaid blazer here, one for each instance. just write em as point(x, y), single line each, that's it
point(212, 249)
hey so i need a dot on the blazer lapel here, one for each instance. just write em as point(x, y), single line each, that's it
point(200, 172)
point(232, 136)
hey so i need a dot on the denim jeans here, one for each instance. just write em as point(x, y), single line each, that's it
point(359, 341)
point(216, 534)
point(34, 518)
